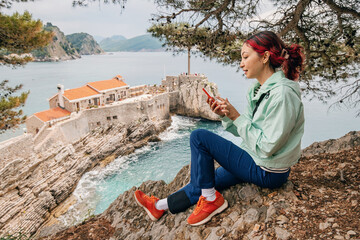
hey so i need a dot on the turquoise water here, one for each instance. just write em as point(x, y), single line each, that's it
point(98, 188)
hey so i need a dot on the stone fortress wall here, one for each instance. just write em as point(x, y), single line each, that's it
point(17, 147)
point(80, 124)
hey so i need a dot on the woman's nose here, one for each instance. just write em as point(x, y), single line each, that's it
point(241, 64)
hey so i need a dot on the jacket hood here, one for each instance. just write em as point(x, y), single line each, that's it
point(276, 80)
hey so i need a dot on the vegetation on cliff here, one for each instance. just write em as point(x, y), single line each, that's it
point(84, 43)
point(58, 49)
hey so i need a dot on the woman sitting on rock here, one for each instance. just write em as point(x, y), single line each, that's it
point(271, 128)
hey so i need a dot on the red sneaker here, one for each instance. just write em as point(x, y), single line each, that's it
point(205, 210)
point(148, 203)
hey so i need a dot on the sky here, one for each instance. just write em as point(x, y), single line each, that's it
point(97, 19)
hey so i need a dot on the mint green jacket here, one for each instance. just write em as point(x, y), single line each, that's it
point(273, 136)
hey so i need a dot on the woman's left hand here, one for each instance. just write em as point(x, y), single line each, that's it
point(228, 109)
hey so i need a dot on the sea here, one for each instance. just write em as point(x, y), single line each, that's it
point(97, 189)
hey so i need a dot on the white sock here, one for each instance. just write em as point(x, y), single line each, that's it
point(209, 194)
point(162, 204)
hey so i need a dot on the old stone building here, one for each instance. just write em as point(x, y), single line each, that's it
point(46, 118)
point(93, 94)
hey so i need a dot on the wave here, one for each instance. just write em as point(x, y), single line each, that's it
point(179, 128)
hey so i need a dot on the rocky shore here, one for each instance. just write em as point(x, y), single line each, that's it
point(31, 192)
point(320, 201)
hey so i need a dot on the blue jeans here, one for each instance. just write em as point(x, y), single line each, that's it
point(237, 166)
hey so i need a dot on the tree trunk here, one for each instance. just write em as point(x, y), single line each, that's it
point(189, 60)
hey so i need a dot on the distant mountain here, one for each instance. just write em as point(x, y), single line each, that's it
point(59, 49)
point(118, 37)
point(112, 43)
point(84, 43)
point(140, 43)
point(98, 38)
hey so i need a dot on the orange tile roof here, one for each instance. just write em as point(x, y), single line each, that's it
point(108, 84)
point(52, 114)
point(81, 92)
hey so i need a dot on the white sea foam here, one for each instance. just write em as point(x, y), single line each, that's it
point(179, 123)
point(87, 190)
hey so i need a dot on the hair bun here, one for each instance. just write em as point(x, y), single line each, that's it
point(295, 64)
point(284, 53)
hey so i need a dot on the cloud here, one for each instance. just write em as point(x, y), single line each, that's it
point(96, 19)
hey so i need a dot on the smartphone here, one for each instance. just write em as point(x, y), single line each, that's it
point(209, 97)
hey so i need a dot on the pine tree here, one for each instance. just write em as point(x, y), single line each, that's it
point(179, 37)
point(19, 35)
point(10, 114)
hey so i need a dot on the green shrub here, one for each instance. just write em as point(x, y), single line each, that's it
point(16, 236)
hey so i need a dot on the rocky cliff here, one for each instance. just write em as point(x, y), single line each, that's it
point(60, 49)
point(346, 142)
point(320, 201)
point(33, 185)
point(84, 44)
point(191, 99)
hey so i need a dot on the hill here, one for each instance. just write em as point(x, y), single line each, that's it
point(59, 49)
point(140, 43)
point(84, 43)
point(108, 44)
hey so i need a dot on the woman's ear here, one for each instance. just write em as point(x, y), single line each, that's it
point(266, 57)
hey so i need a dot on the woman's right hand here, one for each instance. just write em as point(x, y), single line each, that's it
point(215, 106)
point(223, 107)
point(228, 109)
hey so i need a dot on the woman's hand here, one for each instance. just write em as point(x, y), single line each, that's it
point(215, 106)
point(224, 108)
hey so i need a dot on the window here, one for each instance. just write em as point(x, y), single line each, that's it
point(108, 118)
point(98, 123)
point(89, 101)
point(114, 117)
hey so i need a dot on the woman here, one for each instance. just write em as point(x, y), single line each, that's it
point(271, 128)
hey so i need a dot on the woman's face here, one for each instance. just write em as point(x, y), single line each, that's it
point(251, 63)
